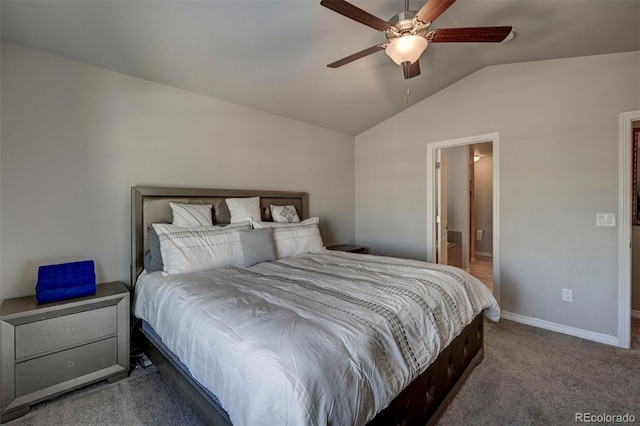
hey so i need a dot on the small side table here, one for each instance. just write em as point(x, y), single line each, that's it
point(348, 247)
point(52, 348)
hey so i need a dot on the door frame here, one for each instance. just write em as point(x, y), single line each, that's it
point(431, 194)
point(625, 148)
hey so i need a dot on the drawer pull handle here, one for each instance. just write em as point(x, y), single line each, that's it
point(70, 364)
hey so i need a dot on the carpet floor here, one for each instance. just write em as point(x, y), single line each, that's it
point(144, 398)
point(529, 376)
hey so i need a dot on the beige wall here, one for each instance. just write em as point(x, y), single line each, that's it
point(75, 138)
point(558, 127)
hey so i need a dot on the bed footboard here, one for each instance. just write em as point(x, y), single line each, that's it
point(427, 397)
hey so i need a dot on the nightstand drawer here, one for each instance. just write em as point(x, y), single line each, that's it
point(65, 331)
point(40, 373)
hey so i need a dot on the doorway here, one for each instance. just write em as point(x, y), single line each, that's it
point(626, 120)
point(463, 228)
point(481, 213)
point(464, 209)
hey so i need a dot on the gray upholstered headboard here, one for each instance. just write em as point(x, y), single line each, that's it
point(151, 205)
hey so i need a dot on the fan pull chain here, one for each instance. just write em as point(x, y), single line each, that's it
point(406, 96)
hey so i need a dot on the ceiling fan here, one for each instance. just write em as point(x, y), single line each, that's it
point(408, 33)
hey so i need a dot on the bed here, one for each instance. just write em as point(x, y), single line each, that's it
point(414, 384)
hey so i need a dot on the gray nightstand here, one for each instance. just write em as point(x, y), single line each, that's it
point(348, 247)
point(56, 347)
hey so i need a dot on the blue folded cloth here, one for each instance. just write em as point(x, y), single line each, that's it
point(65, 281)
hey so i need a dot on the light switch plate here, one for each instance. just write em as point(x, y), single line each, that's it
point(605, 219)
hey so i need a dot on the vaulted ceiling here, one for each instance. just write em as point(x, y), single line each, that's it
point(272, 55)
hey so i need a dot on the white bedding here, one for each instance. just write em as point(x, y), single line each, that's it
point(317, 339)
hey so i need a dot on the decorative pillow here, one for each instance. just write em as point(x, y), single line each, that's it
point(191, 214)
point(257, 246)
point(294, 239)
point(153, 256)
point(220, 211)
point(284, 214)
point(244, 208)
point(198, 248)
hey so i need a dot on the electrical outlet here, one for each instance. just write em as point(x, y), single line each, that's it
point(567, 295)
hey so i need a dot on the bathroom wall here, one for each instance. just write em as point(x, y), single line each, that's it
point(483, 204)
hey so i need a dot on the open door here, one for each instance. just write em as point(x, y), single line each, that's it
point(442, 240)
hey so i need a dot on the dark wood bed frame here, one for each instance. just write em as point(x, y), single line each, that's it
point(420, 403)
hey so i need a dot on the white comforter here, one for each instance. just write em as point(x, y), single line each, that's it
point(318, 339)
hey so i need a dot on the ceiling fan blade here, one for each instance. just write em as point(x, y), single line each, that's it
point(358, 55)
point(350, 11)
point(470, 35)
point(411, 70)
point(432, 9)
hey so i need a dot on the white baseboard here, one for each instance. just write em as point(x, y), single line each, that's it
point(635, 314)
point(564, 329)
point(483, 253)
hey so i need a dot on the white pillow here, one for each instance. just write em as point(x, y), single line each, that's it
point(199, 248)
point(284, 214)
point(191, 214)
point(294, 239)
point(244, 208)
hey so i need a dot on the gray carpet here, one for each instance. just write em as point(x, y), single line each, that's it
point(531, 376)
point(528, 377)
point(144, 398)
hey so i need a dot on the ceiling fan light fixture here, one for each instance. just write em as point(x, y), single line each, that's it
point(407, 48)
